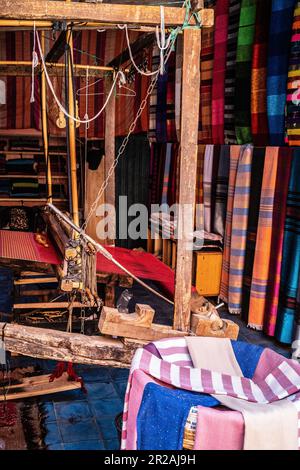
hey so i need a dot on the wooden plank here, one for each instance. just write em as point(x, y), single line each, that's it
point(54, 70)
point(57, 345)
point(137, 326)
point(94, 179)
point(48, 305)
point(36, 280)
point(39, 385)
point(99, 12)
point(188, 171)
point(109, 159)
point(201, 325)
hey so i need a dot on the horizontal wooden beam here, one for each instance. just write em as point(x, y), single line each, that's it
point(47, 10)
point(44, 343)
point(24, 68)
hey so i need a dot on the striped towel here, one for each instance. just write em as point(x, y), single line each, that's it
point(220, 48)
point(281, 193)
point(207, 185)
point(277, 69)
point(234, 156)
point(239, 229)
point(230, 76)
point(263, 241)
point(259, 120)
point(242, 108)
point(292, 122)
point(290, 268)
point(258, 161)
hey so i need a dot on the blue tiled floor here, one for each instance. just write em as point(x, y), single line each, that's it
point(78, 421)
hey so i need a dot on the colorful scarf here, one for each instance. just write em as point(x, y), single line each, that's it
point(207, 60)
point(292, 122)
point(234, 157)
point(263, 241)
point(290, 267)
point(259, 120)
point(258, 160)
point(153, 98)
point(239, 229)
point(230, 76)
point(281, 193)
point(277, 69)
point(207, 185)
point(221, 191)
point(164, 197)
point(220, 47)
point(242, 109)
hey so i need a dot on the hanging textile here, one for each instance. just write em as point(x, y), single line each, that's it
point(234, 156)
point(242, 108)
point(156, 175)
point(153, 98)
point(171, 198)
point(207, 185)
point(259, 120)
point(206, 77)
point(258, 160)
point(219, 216)
point(164, 197)
point(277, 69)
point(230, 76)
point(219, 64)
point(263, 241)
point(292, 122)
point(239, 229)
point(290, 268)
point(165, 107)
point(281, 192)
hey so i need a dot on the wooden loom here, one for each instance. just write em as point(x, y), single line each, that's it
point(191, 314)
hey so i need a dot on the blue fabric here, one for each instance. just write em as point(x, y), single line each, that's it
point(277, 68)
point(6, 282)
point(247, 355)
point(290, 267)
point(163, 414)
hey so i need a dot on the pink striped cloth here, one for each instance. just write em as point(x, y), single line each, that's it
point(276, 378)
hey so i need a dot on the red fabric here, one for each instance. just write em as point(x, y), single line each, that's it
point(59, 370)
point(143, 265)
point(22, 246)
point(8, 414)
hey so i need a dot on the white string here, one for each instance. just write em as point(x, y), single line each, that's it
point(61, 107)
point(86, 116)
point(35, 62)
point(162, 44)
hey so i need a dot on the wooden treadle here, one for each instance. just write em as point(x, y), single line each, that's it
point(39, 385)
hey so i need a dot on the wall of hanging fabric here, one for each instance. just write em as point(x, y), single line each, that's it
point(90, 48)
point(249, 77)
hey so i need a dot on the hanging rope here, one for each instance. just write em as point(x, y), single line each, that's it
point(61, 107)
point(35, 62)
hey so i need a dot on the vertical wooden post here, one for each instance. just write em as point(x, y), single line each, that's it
point(110, 150)
point(188, 165)
point(72, 130)
point(45, 127)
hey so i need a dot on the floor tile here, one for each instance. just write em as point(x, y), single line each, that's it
point(103, 408)
point(100, 390)
point(79, 431)
point(48, 411)
point(121, 388)
point(72, 411)
point(53, 435)
point(112, 445)
point(119, 374)
point(85, 445)
point(108, 428)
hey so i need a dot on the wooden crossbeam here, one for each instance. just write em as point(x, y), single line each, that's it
point(99, 12)
point(58, 48)
point(24, 69)
point(142, 42)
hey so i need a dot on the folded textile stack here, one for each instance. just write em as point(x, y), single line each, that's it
point(211, 394)
point(21, 166)
point(166, 225)
point(25, 188)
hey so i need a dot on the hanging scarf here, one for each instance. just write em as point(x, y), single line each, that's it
point(234, 156)
point(230, 76)
point(263, 241)
point(290, 267)
point(258, 160)
point(243, 72)
point(220, 48)
point(221, 191)
point(281, 192)
point(277, 69)
point(292, 122)
point(239, 229)
point(259, 120)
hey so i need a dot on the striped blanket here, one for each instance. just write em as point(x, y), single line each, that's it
point(168, 361)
